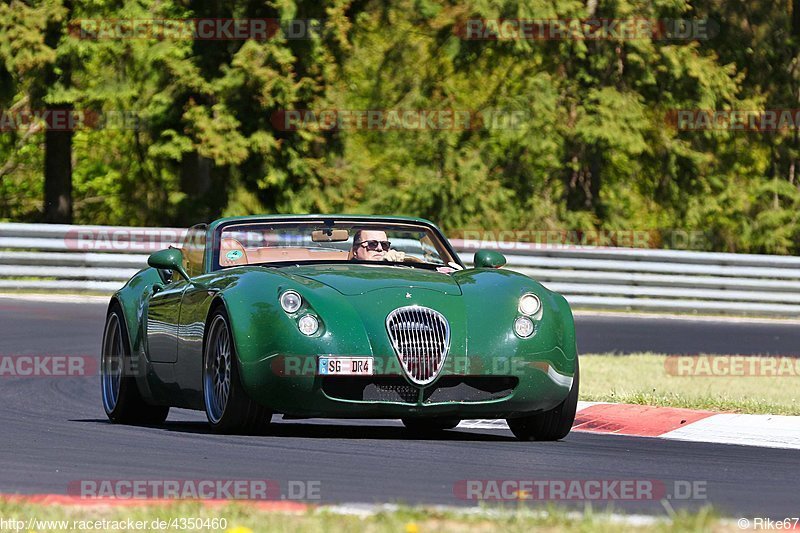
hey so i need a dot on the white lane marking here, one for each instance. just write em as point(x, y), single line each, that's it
point(364, 510)
point(501, 424)
point(766, 431)
point(483, 424)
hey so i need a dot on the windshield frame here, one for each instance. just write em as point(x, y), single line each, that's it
point(362, 222)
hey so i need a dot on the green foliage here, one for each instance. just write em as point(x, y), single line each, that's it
point(564, 134)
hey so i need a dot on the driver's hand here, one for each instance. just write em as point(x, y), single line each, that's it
point(395, 255)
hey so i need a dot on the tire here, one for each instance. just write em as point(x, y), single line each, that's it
point(122, 401)
point(550, 425)
point(423, 426)
point(228, 407)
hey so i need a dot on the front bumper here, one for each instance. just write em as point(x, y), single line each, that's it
point(498, 388)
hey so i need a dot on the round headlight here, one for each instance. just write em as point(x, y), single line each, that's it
point(523, 327)
point(291, 301)
point(529, 304)
point(308, 325)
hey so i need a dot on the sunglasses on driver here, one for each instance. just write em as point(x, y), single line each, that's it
point(372, 245)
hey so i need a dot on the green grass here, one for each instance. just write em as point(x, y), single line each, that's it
point(242, 518)
point(643, 379)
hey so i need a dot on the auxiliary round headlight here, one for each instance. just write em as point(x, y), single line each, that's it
point(523, 327)
point(529, 304)
point(291, 301)
point(308, 325)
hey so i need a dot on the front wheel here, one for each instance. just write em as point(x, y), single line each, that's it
point(554, 424)
point(122, 401)
point(228, 407)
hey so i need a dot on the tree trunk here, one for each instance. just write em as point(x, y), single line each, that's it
point(58, 132)
point(195, 183)
point(58, 171)
point(582, 182)
point(195, 175)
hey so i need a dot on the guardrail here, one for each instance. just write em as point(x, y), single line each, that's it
point(44, 257)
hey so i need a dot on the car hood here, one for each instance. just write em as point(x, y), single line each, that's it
point(352, 280)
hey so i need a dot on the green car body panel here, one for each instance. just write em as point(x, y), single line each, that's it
point(278, 364)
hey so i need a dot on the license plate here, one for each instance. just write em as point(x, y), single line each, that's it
point(345, 366)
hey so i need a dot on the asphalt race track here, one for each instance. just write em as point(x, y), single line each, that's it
point(54, 432)
point(684, 336)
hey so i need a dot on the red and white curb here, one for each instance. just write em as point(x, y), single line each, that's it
point(769, 431)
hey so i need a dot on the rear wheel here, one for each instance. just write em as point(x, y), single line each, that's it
point(228, 408)
point(429, 425)
point(550, 425)
point(122, 401)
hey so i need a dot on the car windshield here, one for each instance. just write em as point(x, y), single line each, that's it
point(259, 243)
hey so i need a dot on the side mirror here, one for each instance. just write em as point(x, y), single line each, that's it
point(170, 259)
point(488, 259)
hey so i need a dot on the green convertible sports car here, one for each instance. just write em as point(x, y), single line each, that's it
point(337, 316)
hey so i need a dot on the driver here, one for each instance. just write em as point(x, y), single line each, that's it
point(373, 245)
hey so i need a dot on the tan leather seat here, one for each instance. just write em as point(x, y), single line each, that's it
point(278, 254)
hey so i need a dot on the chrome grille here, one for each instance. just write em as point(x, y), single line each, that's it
point(420, 337)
